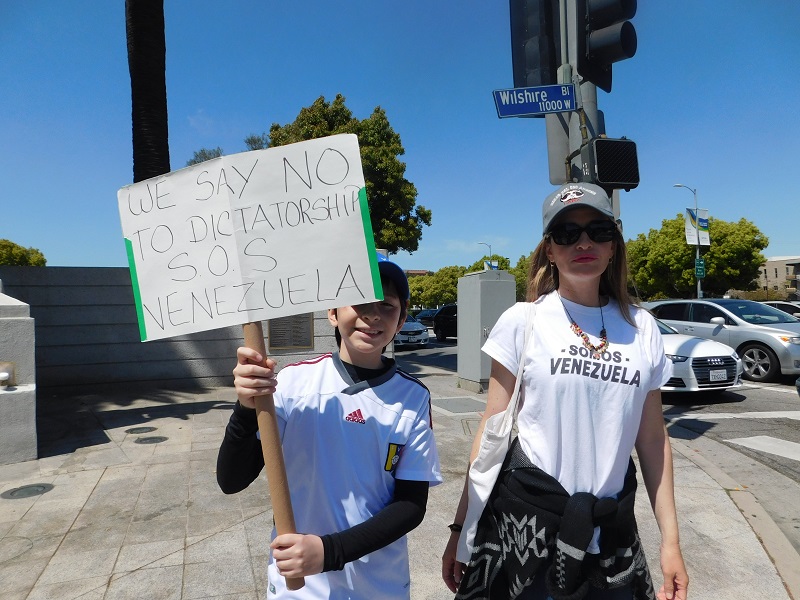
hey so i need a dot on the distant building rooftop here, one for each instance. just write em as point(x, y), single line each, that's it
point(782, 258)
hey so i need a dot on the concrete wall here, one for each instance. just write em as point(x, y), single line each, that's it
point(18, 391)
point(87, 334)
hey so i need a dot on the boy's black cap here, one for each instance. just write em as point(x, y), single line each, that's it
point(395, 274)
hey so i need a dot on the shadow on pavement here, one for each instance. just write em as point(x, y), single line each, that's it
point(681, 401)
point(678, 404)
point(65, 424)
point(437, 355)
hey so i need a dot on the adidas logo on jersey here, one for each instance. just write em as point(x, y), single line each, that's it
point(355, 417)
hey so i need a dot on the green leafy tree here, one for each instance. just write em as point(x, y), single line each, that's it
point(661, 264)
point(397, 220)
point(16, 255)
point(257, 142)
point(418, 287)
point(520, 273)
point(502, 263)
point(439, 288)
point(203, 155)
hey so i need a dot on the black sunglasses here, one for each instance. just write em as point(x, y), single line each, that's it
point(565, 234)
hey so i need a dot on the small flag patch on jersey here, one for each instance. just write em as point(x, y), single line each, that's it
point(392, 456)
point(355, 417)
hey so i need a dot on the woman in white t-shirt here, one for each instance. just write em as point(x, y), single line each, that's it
point(560, 521)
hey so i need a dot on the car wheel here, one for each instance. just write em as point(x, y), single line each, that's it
point(440, 336)
point(759, 362)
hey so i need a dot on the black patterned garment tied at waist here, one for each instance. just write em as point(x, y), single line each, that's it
point(532, 523)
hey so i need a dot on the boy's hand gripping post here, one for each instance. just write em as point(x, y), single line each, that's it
point(273, 453)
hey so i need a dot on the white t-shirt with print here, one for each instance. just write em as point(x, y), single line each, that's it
point(344, 444)
point(580, 415)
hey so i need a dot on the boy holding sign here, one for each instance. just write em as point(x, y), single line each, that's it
point(359, 448)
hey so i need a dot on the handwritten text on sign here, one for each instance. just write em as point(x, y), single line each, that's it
point(250, 236)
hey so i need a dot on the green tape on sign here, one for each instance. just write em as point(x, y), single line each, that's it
point(370, 239)
point(137, 297)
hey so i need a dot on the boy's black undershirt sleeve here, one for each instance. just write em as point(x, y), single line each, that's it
point(401, 515)
point(240, 458)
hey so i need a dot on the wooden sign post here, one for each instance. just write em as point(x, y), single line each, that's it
point(271, 447)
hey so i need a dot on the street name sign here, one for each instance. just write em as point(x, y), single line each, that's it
point(700, 268)
point(531, 101)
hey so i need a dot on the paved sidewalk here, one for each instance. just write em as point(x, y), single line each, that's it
point(136, 513)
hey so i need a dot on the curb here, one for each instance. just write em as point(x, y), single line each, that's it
point(780, 551)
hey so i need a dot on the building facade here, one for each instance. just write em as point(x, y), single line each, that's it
point(781, 274)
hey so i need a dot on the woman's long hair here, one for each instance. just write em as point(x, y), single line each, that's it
point(543, 277)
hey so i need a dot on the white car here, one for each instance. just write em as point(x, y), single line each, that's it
point(791, 307)
point(413, 333)
point(698, 364)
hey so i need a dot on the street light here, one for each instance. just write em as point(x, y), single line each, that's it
point(697, 233)
point(490, 250)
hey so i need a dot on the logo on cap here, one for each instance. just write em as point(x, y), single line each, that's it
point(570, 196)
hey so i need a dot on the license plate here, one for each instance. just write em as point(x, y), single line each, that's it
point(718, 375)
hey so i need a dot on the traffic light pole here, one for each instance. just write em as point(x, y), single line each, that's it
point(575, 42)
point(582, 127)
point(557, 124)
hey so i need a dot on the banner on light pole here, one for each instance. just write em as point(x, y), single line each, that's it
point(697, 223)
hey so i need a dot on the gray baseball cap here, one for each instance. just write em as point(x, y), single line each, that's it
point(575, 195)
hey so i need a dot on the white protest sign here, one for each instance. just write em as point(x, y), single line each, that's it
point(249, 237)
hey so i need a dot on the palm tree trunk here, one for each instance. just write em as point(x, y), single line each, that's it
point(147, 50)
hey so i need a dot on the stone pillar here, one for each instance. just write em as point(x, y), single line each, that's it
point(18, 388)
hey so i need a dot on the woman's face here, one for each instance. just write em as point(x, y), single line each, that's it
point(584, 259)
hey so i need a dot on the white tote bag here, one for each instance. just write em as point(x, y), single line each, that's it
point(495, 442)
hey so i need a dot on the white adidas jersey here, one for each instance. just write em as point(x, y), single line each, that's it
point(344, 444)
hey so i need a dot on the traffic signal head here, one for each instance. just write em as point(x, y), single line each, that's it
point(604, 36)
point(611, 163)
point(534, 42)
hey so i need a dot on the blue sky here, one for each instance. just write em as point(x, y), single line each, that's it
point(709, 99)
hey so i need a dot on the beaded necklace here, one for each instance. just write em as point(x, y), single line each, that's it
point(595, 350)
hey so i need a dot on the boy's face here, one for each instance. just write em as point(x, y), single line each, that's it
point(367, 328)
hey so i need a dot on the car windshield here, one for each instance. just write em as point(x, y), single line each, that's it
point(664, 328)
point(411, 319)
point(759, 314)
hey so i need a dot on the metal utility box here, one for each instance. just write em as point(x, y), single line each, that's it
point(482, 297)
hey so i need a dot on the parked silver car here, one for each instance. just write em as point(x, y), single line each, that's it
point(766, 339)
